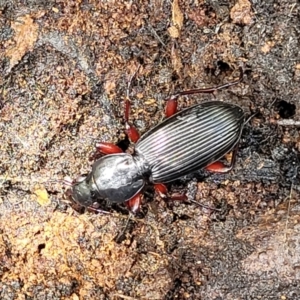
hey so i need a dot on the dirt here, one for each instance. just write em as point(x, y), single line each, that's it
point(65, 68)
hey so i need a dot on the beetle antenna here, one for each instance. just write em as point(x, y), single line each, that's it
point(130, 80)
point(127, 101)
point(130, 130)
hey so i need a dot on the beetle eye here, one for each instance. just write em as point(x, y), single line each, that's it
point(80, 178)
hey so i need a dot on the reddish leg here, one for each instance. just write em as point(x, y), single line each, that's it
point(104, 148)
point(212, 89)
point(162, 191)
point(171, 106)
point(108, 148)
point(219, 167)
point(131, 131)
point(134, 203)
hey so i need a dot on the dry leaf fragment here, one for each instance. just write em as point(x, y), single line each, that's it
point(267, 47)
point(26, 34)
point(109, 86)
point(203, 16)
point(177, 19)
point(174, 32)
point(150, 101)
point(177, 15)
point(241, 12)
point(42, 195)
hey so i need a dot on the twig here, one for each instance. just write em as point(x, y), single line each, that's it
point(288, 211)
point(156, 35)
point(125, 297)
point(288, 122)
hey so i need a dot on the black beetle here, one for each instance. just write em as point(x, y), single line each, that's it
point(192, 139)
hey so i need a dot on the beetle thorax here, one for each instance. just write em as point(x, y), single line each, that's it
point(118, 177)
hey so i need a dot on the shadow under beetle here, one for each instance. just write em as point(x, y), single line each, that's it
point(189, 140)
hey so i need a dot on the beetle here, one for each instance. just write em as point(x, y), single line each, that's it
point(187, 141)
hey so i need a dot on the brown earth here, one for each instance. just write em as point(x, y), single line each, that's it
point(65, 69)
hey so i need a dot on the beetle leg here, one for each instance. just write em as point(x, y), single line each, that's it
point(179, 197)
point(219, 167)
point(162, 191)
point(134, 203)
point(130, 130)
point(171, 106)
point(108, 148)
point(132, 133)
point(212, 89)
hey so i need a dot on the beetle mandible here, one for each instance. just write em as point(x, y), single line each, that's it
point(187, 141)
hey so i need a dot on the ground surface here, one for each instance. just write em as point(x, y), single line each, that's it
point(65, 66)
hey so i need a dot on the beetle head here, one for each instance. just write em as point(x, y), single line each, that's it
point(115, 178)
point(82, 192)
